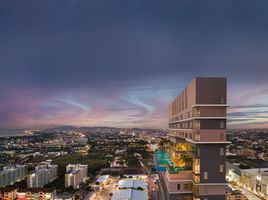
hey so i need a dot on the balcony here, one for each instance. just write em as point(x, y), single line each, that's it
point(196, 192)
point(196, 124)
point(196, 178)
point(196, 136)
point(196, 112)
point(196, 166)
point(177, 170)
point(181, 175)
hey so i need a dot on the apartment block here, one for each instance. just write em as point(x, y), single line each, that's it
point(11, 174)
point(194, 162)
point(44, 173)
point(75, 174)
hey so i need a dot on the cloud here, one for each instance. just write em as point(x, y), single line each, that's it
point(98, 62)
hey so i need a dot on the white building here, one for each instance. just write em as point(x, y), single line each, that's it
point(256, 180)
point(11, 174)
point(75, 174)
point(102, 179)
point(44, 173)
point(129, 194)
point(132, 184)
point(233, 173)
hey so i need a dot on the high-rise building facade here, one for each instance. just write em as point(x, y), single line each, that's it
point(11, 174)
point(196, 155)
point(44, 173)
point(75, 174)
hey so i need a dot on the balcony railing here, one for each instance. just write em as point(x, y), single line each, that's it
point(196, 192)
point(196, 136)
point(175, 170)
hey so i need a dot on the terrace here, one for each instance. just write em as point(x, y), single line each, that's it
point(165, 161)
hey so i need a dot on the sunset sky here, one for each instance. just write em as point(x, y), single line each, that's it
point(120, 62)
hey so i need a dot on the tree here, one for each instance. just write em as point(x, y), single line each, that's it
point(187, 159)
point(163, 143)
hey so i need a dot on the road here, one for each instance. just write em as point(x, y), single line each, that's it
point(152, 187)
point(90, 196)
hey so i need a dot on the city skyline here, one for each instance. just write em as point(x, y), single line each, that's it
point(98, 63)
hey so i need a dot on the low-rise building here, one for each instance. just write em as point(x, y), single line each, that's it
point(233, 173)
point(235, 195)
point(132, 184)
point(129, 194)
point(36, 194)
point(256, 180)
point(102, 180)
point(8, 193)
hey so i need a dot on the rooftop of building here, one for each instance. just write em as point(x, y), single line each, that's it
point(102, 178)
point(254, 171)
point(35, 190)
point(235, 168)
point(73, 171)
point(132, 183)
point(64, 195)
point(234, 192)
point(129, 194)
point(7, 189)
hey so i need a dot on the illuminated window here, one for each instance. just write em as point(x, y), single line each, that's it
point(205, 175)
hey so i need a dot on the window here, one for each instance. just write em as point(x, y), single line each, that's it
point(205, 175)
point(222, 124)
point(221, 168)
point(221, 151)
point(179, 186)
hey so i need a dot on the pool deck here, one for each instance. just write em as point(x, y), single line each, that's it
point(162, 160)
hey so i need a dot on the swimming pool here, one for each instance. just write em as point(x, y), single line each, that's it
point(163, 162)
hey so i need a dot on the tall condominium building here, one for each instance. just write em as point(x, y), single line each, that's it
point(194, 163)
point(44, 173)
point(11, 174)
point(75, 174)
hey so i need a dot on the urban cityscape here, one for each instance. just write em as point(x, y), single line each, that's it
point(133, 100)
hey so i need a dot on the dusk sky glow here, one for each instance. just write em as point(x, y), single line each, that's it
point(120, 63)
